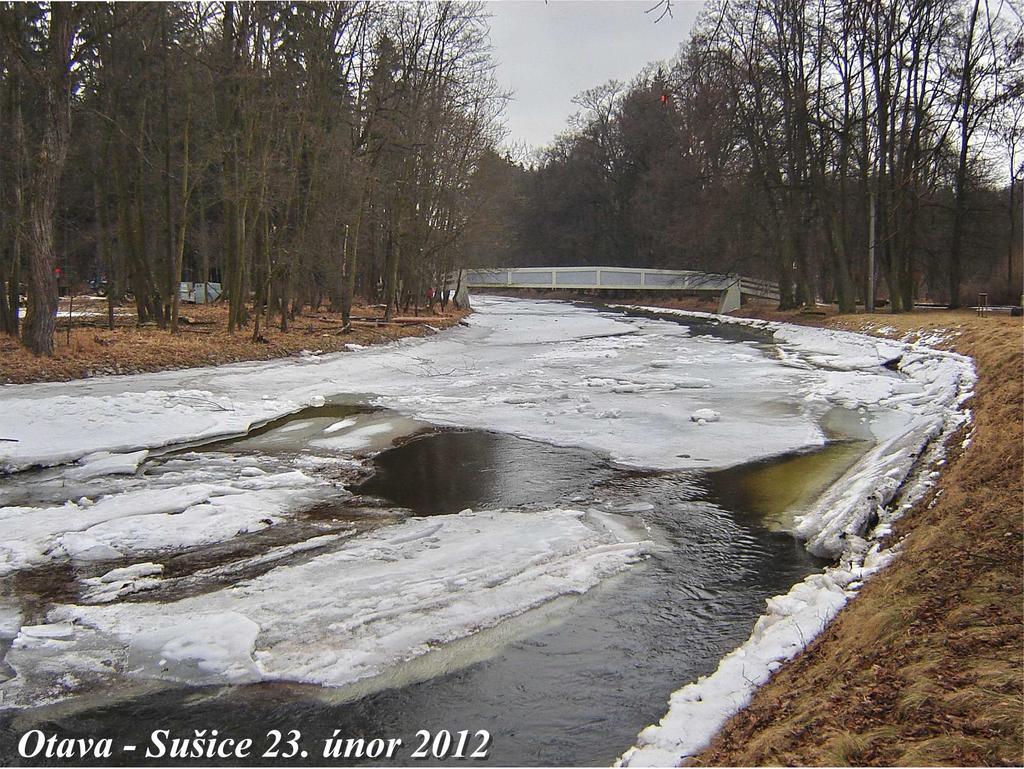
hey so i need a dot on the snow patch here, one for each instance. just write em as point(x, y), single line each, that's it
point(56, 630)
point(10, 620)
point(207, 649)
point(106, 463)
point(702, 416)
point(120, 582)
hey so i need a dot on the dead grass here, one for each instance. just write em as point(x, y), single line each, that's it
point(925, 666)
point(92, 349)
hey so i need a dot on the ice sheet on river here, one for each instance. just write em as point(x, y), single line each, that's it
point(542, 370)
point(172, 513)
point(377, 600)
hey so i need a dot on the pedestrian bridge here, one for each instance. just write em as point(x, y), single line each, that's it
point(730, 288)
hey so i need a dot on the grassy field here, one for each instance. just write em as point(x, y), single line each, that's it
point(925, 665)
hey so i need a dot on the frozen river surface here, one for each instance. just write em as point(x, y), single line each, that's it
point(563, 374)
point(214, 527)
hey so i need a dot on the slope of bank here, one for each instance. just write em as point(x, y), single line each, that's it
point(925, 665)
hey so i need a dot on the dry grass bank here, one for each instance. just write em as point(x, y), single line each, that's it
point(925, 665)
point(92, 349)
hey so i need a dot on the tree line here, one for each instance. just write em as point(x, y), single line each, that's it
point(299, 154)
point(819, 143)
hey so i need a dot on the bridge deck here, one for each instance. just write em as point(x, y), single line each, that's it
point(622, 279)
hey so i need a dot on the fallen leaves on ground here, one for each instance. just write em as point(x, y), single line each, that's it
point(85, 346)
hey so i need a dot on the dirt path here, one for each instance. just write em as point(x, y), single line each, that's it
point(925, 665)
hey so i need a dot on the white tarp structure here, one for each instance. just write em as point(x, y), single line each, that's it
point(199, 293)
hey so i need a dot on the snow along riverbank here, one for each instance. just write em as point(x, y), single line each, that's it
point(846, 523)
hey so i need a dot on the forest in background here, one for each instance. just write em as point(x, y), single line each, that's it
point(299, 154)
point(763, 148)
point(304, 154)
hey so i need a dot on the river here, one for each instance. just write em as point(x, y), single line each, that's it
point(565, 676)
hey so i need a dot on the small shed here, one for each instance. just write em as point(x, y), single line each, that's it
point(199, 293)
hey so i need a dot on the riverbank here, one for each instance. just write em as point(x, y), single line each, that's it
point(89, 348)
point(924, 665)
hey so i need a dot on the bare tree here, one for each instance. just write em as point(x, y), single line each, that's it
point(47, 67)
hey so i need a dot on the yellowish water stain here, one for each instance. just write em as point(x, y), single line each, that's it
point(779, 489)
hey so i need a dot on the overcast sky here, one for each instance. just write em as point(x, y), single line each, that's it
point(549, 52)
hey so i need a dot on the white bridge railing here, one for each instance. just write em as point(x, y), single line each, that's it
point(731, 287)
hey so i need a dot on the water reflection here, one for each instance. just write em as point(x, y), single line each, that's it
point(778, 489)
point(450, 471)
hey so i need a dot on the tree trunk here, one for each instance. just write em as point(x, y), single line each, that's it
point(45, 182)
point(840, 263)
point(391, 259)
point(348, 283)
point(17, 159)
point(167, 278)
point(179, 257)
point(960, 184)
point(1013, 239)
point(285, 298)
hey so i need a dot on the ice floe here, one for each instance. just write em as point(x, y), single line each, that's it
point(392, 595)
point(147, 519)
point(542, 370)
